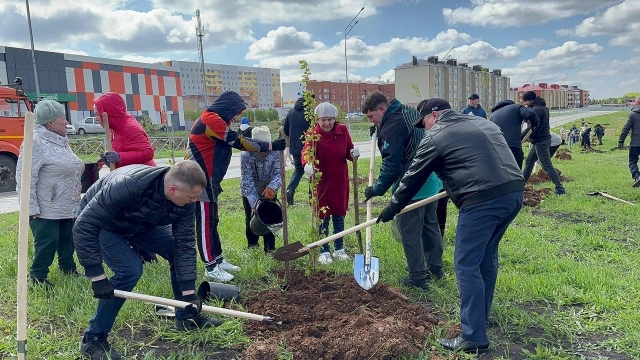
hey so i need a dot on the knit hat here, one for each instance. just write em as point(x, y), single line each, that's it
point(47, 111)
point(244, 121)
point(261, 133)
point(326, 110)
point(529, 96)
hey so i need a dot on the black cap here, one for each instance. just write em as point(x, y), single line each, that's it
point(429, 106)
point(474, 97)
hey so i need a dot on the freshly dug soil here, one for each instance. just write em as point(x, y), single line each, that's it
point(623, 148)
point(541, 176)
point(591, 150)
point(563, 154)
point(329, 316)
point(533, 197)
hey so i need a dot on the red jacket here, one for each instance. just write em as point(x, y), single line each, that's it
point(128, 137)
point(332, 152)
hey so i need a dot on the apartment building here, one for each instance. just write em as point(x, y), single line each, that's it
point(450, 80)
point(336, 93)
point(259, 87)
point(556, 96)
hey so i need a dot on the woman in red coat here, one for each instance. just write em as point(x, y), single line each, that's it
point(333, 148)
point(130, 142)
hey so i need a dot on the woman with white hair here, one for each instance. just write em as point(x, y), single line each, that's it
point(260, 178)
point(54, 196)
point(333, 147)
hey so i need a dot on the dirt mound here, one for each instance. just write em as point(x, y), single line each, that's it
point(533, 197)
point(541, 176)
point(623, 148)
point(591, 150)
point(563, 154)
point(328, 316)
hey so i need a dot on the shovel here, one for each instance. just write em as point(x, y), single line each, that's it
point(595, 193)
point(356, 205)
point(168, 303)
point(107, 133)
point(366, 268)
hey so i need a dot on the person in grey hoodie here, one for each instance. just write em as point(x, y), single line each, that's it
point(633, 125)
point(54, 196)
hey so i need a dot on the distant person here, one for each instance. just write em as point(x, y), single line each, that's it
point(287, 152)
point(295, 126)
point(555, 143)
point(564, 134)
point(586, 136)
point(632, 125)
point(474, 107)
point(598, 130)
point(509, 116)
point(245, 128)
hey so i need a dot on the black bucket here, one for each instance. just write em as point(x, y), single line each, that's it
point(90, 175)
point(226, 292)
point(267, 217)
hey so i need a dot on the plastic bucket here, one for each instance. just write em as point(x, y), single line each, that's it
point(267, 217)
point(226, 292)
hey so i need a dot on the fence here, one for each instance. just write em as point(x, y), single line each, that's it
point(94, 146)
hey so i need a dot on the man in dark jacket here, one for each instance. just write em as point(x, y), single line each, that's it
point(153, 209)
point(541, 140)
point(474, 107)
point(398, 140)
point(485, 183)
point(509, 116)
point(598, 130)
point(633, 125)
point(295, 125)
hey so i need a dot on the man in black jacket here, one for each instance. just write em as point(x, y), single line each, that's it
point(509, 116)
point(541, 140)
point(633, 125)
point(153, 209)
point(485, 183)
point(295, 125)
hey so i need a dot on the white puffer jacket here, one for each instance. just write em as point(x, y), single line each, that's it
point(55, 176)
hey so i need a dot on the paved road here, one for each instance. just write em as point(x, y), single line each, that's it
point(9, 201)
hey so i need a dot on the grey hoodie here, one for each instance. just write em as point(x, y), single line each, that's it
point(633, 125)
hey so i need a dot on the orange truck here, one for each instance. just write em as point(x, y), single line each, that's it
point(14, 104)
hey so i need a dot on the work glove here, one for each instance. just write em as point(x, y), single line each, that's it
point(278, 145)
point(355, 152)
point(369, 193)
point(110, 157)
point(102, 289)
point(195, 306)
point(387, 214)
point(372, 130)
point(269, 194)
point(308, 170)
point(620, 145)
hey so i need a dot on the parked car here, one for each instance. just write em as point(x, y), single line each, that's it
point(71, 130)
point(89, 125)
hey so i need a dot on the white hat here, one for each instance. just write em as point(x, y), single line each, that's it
point(326, 110)
point(261, 133)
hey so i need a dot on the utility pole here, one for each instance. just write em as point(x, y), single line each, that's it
point(200, 36)
point(347, 30)
point(33, 54)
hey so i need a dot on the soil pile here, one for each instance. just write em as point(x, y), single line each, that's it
point(533, 197)
point(541, 176)
point(591, 150)
point(563, 154)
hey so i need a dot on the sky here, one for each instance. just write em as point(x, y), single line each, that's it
point(591, 43)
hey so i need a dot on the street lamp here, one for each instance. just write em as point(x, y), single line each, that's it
point(347, 30)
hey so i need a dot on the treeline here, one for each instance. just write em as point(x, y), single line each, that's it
point(615, 100)
point(262, 115)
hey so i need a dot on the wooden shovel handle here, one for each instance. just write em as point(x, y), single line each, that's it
point(107, 135)
point(356, 203)
point(615, 198)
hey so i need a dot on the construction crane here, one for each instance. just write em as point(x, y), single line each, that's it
point(200, 36)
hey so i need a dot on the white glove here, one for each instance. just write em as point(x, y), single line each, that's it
point(308, 170)
point(355, 152)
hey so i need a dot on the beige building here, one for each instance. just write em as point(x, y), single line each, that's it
point(450, 80)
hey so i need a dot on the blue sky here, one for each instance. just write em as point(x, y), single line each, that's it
point(594, 43)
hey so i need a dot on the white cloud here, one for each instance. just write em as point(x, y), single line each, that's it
point(387, 77)
point(517, 13)
point(144, 59)
point(281, 42)
point(627, 83)
point(615, 67)
point(481, 51)
point(535, 42)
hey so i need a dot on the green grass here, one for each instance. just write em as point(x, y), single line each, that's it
point(567, 283)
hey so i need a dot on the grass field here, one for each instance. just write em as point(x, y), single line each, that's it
point(567, 287)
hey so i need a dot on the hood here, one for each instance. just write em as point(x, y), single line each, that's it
point(299, 104)
point(393, 107)
point(502, 104)
point(244, 127)
point(228, 105)
point(636, 109)
point(115, 107)
point(539, 101)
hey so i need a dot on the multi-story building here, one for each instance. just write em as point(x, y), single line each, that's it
point(336, 93)
point(450, 80)
point(259, 87)
point(556, 96)
point(75, 80)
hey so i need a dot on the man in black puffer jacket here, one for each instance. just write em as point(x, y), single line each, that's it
point(484, 182)
point(509, 116)
point(632, 125)
point(149, 207)
point(295, 125)
point(541, 140)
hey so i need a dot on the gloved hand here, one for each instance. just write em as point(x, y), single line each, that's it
point(368, 193)
point(269, 194)
point(387, 214)
point(372, 130)
point(278, 145)
point(110, 157)
point(355, 152)
point(102, 289)
point(196, 304)
point(620, 145)
point(308, 169)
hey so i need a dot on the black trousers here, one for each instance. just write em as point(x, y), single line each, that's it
point(518, 154)
point(441, 213)
point(252, 239)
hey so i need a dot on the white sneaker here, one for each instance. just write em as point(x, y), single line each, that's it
point(325, 258)
point(227, 266)
point(218, 274)
point(341, 255)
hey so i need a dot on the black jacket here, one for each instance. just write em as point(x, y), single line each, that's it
point(540, 133)
point(633, 125)
point(598, 130)
point(129, 201)
point(295, 125)
point(509, 117)
point(469, 155)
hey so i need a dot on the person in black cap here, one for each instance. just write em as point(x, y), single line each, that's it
point(541, 140)
point(474, 107)
point(485, 183)
point(509, 116)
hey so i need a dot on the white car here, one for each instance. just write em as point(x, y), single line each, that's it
point(89, 125)
point(71, 130)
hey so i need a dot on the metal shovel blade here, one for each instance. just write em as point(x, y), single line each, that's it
point(290, 252)
point(366, 276)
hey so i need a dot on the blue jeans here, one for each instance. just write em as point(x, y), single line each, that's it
point(297, 173)
point(127, 270)
point(338, 226)
point(479, 231)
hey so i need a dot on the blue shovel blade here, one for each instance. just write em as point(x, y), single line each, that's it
point(365, 276)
